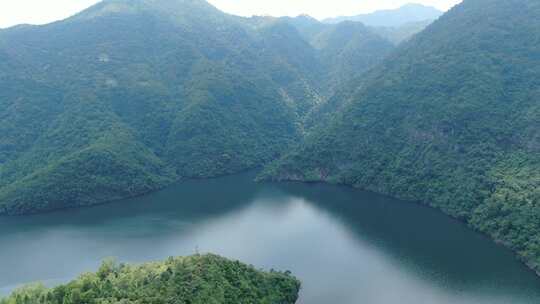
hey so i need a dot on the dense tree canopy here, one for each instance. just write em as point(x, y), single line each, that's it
point(199, 279)
point(450, 119)
point(129, 96)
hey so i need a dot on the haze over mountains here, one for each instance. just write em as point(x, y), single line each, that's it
point(395, 25)
point(129, 96)
point(409, 13)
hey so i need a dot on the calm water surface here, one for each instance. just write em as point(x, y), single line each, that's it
point(347, 246)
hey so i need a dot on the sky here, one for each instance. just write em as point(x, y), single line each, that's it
point(13, 12)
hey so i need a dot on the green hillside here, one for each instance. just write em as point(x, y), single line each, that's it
point(127, 97)
point(339, 47)
point(450, 119)
point(196, 279)
point(402, 33)
point(330, 55)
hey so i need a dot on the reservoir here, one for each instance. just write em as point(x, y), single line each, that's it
point(346, 246)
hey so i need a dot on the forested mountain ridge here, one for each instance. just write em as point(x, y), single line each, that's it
point(333, 54)
point(403, 32)
point(395, 25)
point(194, 279)
point(450, 119)
point(128, 96)
point(340, 45)
point(407, 13)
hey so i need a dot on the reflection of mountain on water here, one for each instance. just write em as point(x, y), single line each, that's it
point(59, 245)
point(420, 239)
point(346, 245)
point(191, 199)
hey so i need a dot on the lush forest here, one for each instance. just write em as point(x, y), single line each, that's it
point(402, 33)
point(127, 97)
point(198, 279)
point(450, 119)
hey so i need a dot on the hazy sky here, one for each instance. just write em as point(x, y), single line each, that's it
point(14, 12)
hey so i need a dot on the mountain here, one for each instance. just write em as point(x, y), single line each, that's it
point(339, 47)
point(344, 51)
point(394, 17)
point(402, 33)
point(450, 119)
point(127, 97)
point(396, 25)
point(194, 279)
point(335, 53)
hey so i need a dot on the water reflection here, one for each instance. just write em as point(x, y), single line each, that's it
point(347, 246)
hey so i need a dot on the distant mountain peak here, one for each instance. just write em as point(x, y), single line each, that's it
point(419, 9)
point(416, 5)
point(306, 17)
point(159, 2)
point(410, 12)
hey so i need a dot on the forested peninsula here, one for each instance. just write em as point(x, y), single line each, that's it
point(197, 279)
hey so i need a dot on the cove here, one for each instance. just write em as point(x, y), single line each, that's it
point(347, 246)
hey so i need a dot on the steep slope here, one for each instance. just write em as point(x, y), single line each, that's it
point(394, 17)
point(306, 25)
point(128, 96)
point(450, 119)
point(194, 279)
point(339, 47)
point(326, 54)
point(295, 66)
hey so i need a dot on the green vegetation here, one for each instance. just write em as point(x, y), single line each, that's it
point(130, 96)
point(340, 45)
point(402, 33)
point(127, 97)
point(450, 119)
point(196, 279)
point(398, 17)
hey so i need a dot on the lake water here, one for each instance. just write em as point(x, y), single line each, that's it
point(347, 246)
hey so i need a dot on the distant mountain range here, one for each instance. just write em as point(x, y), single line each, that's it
point(402, 33)
point(396, 25)
point(409, 13)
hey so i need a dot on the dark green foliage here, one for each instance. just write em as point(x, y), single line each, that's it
point(340, 45)
point(450, 119)
point(199, 279)
point(129, 96)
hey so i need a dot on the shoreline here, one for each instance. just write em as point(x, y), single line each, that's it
point(528, 264)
